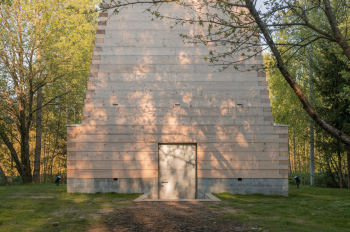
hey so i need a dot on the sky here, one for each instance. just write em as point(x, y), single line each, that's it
point(260, 5)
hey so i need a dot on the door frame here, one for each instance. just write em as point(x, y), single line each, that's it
point(196, 179)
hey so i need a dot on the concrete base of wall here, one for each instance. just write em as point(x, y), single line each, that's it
point(204, 185)
point(208, 198)
point(244, 187)
point(105, 185)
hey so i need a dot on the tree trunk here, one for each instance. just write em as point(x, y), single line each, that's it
point(44, 142)
point(330, 170)
point(36, 174)
point(289, 162)
point(3, 176)
point(11, 165)
point(299, 168)
point(294, 159)
point(54, 149)
point(312, 139)
point(47, 154)
point(27, 170)
point(290, 79)
point(23, 166)
point(11, 174)
point(348, 167)
point(53, 156)
point(66, 103)
point(340, 170)
point(335, 28)
point(11, 140)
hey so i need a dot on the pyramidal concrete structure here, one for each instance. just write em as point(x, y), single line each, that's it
point(159, 119)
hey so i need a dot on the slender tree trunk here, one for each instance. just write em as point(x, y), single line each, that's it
point(45, 158)
point(305, 166)
point(348, 167)
point(300, 172)
point(3, 176)
point(312, 140)
point(289, 162)
point(47, 155)
point(335, 168)
point(66, 102)
point(294, 159)
point(11, 174)
point(11, 157)
point(340, 170)
point(299, 168)
point(54, 149)
point(36, 174)
point(45, 139)
point(330, 170)
point(52, 158)
point(45, 169)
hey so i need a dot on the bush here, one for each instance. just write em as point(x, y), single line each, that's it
point(325, 180)
point(16, 180)
point(322, 179)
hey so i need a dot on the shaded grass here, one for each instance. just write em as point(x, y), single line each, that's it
point(34, 207)
point(306, 209)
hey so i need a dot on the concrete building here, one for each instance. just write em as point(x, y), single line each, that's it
point(160, 119)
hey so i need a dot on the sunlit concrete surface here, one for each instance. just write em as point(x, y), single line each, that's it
point(148, 87)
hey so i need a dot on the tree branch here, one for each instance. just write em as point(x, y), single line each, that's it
point(281, 66)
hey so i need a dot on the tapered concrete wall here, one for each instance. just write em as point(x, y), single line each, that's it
point(147, 87)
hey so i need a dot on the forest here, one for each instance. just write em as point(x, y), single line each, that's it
point(322, 71)
point(46, 48)
point(45, 55)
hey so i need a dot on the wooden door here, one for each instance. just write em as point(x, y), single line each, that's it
point(177, 171)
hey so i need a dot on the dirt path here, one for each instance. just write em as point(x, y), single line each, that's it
point(173, 216)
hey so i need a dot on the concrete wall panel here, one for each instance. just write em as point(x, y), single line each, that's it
point(147, 87)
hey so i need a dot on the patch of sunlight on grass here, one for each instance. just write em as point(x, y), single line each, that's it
point(33, 207)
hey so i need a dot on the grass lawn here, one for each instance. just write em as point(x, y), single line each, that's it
point(34, 207)
point(306, 209)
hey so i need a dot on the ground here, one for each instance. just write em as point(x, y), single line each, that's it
point(173, 216)
point(36, 207)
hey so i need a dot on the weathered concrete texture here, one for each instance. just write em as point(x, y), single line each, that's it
point(105, 185)
point(205, 185)
point(246, 186)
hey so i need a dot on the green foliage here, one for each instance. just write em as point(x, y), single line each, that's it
point(14, 180)
point(304, 51)
point(331, 85)
point(49, 44)
point(287, 109)
point(326, 179)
